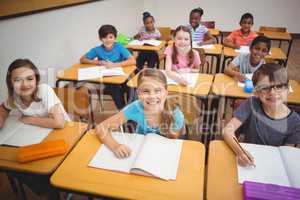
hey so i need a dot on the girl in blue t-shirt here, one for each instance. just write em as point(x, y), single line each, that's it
point(152, 112)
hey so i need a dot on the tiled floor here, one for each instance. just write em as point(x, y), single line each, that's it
point(5, 190)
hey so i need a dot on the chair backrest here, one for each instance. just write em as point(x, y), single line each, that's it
point(209, 24)
point(204, 66)
point(271, 28)
point(189, 105)
point(165, 33)
point(77, 103)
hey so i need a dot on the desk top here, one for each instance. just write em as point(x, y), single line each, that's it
point(147, 47)
point(222, 178)
point(214, 31)
point(71, 74)
point(276, 53)
point(216, 51)
point(71, 133)
point(274, 35)
point(98, 182)
point(224, 85)
point(201, 89)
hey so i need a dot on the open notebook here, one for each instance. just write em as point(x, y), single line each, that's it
point(152, 155)
point(16, 133)
point(206, 46)
point(98, 72)
point(151, 42)
point(275, 165)
point(191, 78)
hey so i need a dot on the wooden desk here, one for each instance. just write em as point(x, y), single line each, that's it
point(97, 182)
point(227, 88)
point(215, 53)
point(273, 35)
point(146, 47)
point(71, 134)
point(214, 31)
point(71, 74)
point(280, 36)
point(222, 178)
point(201, 89)
point(275, 54)
point(224, 85)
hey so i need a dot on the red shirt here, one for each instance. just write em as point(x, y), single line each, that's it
point(237, 36)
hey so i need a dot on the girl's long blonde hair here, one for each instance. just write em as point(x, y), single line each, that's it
point(169, 105)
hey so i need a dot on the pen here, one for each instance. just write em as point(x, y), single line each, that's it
point(124, 136)
point(243, 150)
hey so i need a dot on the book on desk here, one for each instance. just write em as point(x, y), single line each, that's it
point(191, 78)
point(150, 42)
point(93, 72)
point(16, 133)
point(274, 165)
point(152, 155)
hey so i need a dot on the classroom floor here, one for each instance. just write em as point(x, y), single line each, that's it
point(6, 192)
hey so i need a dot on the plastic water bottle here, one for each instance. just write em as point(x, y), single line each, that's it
point(248, 88)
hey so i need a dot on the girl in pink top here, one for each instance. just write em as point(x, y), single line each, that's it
point(180, 57)
point(242, 36)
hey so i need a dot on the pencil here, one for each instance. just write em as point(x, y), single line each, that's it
point(243, 150)
point(124, 136)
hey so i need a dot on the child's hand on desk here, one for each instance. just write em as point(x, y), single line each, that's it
point(108, 64)
point(240, 77)
point(184, 70)
point(26, 119)
point(122, 151)
point(182, 81)
point(140, 36)
point(172, 135)
point(244, 161)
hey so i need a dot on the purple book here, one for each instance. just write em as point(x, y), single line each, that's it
point(263, 191)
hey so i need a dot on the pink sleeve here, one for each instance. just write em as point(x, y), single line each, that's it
point(197, 60)
point(168, 51)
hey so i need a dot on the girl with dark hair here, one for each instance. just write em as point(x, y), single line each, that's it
point(147, 32)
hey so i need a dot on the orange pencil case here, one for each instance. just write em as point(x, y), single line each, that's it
point(41, 150)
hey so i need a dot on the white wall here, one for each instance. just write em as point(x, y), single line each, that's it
point(56, 39)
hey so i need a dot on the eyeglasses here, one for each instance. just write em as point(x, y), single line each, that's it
point(268, 88)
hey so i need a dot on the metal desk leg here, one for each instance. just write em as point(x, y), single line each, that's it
point(288, 52)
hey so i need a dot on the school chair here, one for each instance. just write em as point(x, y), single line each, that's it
point(193, 109)
point(165, 36)
point(205, 67)
point(165, 33)
point(77, 103)
point(209, 24)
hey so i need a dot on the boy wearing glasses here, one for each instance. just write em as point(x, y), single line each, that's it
point(246, 63)
point(265, 118)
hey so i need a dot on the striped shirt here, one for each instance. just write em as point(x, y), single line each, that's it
point(198, 33)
